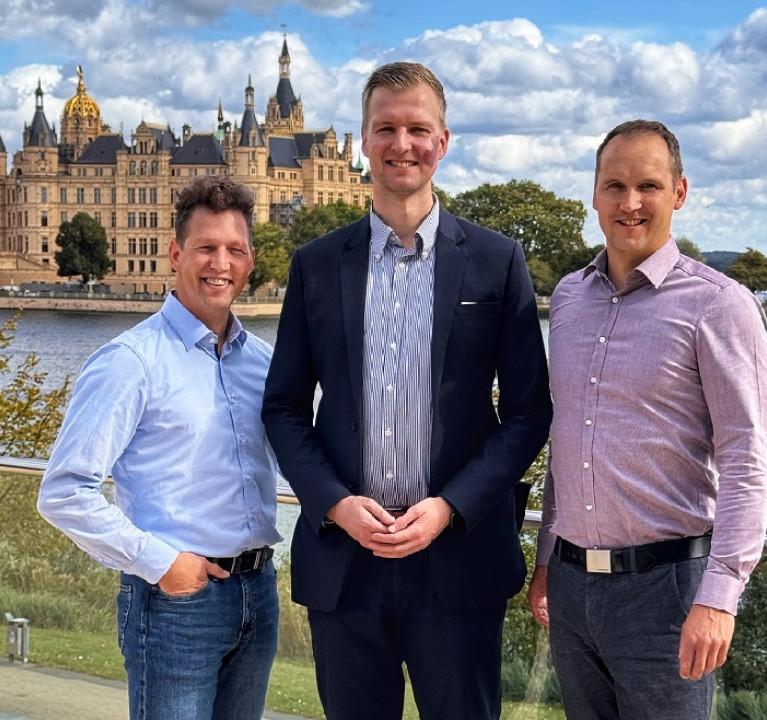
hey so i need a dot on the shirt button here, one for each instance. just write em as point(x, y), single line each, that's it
point(393, 346)
point(589, 507)
point(388, 432)
point(614, 300)
point(586, 465)
point(396, 305)
point(389, 475)
point(389, 388)
point(402, 264)
point(593, 380)
point(588, 422)
point(603, 339)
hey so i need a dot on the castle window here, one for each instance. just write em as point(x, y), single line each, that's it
point(97, 196)
point(153, 266)
point(142, 219)
point(132, 196)
point(142, 195)
point(97, 217)
point(132, 167)
point(64, 217)
point(131, 219)
point(153, 246)
point(153, 196)
point(62, 195)
point(44, 219)
point(131, 246)
point(114, 247)
point(80, 196)
point(142, 266)
point(340, 176)
point(153, 219)
point(113, 221)
point(153, 167)
point(330, 174)
point(320, 172)
point(142, 246)
point(142, 166)
point(131, 266)
point(44, 243)
point(114, 195)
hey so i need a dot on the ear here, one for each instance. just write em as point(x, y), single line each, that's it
point(681, 192)
point(174, 251)
point(443, 143)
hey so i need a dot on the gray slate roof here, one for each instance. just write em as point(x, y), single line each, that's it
point(102, 151)
point(199, 150)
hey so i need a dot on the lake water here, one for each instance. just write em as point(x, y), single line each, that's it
point(64, 340)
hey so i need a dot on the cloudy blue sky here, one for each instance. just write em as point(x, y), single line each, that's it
point(532, 86)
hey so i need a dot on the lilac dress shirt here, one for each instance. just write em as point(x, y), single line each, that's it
point(660, 395)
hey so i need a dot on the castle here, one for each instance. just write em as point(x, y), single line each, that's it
point(130, 189)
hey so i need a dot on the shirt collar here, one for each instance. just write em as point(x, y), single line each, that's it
point(655, 268)
point(191, 330)
point(425, 235)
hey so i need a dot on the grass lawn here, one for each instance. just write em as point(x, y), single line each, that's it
point(291, 687)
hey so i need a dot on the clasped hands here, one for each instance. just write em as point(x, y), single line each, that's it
point(386, 536)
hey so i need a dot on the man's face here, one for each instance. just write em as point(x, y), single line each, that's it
point(635, 196)
point(212, 265)
point(404, 140)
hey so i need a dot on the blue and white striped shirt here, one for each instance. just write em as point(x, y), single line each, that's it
point(397, 372)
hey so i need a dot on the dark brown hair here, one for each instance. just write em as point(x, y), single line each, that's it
point(216, 194)
point(647, 127)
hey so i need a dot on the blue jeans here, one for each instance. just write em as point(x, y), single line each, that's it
point(202, 656)
point(615, 642)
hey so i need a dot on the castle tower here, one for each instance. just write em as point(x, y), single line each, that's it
point(284, 111)
point(80, 120)
point(39, 133)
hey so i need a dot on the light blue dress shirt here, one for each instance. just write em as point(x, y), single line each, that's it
point(179, 428)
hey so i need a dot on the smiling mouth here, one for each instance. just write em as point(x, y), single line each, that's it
point(402, 163)
point(632, 223)
point(217, 282)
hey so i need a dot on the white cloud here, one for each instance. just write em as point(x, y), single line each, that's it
point(519, 104)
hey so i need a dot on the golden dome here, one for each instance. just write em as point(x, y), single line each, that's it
point(81, 104)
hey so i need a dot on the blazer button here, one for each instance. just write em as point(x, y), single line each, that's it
point(354, 427)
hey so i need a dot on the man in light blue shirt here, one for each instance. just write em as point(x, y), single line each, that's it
point(171, 409)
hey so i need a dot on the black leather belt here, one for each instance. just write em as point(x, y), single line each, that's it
point(636, 558)
point(249, 560)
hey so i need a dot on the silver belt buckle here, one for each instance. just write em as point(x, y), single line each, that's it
point(598, 561)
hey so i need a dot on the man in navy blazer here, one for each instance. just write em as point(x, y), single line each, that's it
point(406, 549)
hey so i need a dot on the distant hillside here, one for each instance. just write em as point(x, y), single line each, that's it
point(720, 259)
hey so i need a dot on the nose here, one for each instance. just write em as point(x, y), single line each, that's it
point(631, 200)
point(219, 259)
point(401, 140)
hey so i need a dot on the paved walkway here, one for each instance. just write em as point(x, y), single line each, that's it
point(28, 692)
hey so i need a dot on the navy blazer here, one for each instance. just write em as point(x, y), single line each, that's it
point(485, 325)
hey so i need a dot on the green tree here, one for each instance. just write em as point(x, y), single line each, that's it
point(548, 227)
point(30, 415)
point(689, 248)
point(84, 249)
point(749, 269)
point(543, 277)
point(310, 223)
point(271, 254)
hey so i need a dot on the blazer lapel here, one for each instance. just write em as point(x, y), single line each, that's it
point(354, 277)
point(450, 263)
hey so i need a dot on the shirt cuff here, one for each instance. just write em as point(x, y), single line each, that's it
point(154, 561)
point(545, 546)
point(719, 588)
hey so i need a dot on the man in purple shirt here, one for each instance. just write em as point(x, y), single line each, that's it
point(655, 502)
